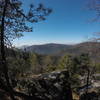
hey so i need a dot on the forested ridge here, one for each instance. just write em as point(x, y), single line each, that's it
point(62, 49)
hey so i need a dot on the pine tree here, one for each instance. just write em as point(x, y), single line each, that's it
point(13, 21)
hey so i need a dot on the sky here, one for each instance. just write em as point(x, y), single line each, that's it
point(69, 23)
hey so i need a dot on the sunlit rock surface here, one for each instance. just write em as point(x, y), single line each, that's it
point(50, 86)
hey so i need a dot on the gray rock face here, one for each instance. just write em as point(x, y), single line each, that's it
point(51, 86)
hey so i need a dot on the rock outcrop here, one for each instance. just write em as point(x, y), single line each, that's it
point(51, 86)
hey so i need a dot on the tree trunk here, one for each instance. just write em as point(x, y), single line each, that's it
point(87, 83)
point(3, 56)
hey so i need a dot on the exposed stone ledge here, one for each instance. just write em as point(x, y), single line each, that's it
point(49, 86)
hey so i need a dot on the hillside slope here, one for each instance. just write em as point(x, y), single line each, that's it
point(93, 48)
point(47, 48)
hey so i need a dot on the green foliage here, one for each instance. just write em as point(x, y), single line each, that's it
point(97, 67)
point(36, 64)
point(85, 65)
point(18, 65)
point(33, 60)
point(70, 63)
point(40, 63)
point(65, 62)
point(84, 60)
point(50, 68)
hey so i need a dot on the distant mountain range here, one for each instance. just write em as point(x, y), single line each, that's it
point(93, 48)
point(47, 49)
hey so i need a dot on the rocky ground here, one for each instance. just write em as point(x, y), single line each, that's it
point(50, 86)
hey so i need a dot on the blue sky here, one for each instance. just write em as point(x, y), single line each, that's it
point(69, 23)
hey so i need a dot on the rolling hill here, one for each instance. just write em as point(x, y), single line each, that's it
point(93, 48)
point(47, 49)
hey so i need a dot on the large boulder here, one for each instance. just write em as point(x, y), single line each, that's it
point(50, 86)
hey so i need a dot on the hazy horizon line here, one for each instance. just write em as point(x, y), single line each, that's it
point(48, 43)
